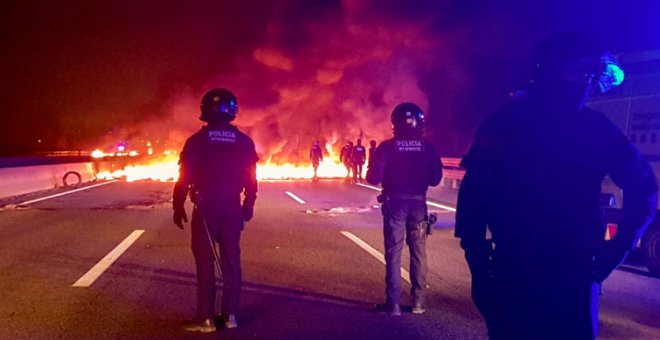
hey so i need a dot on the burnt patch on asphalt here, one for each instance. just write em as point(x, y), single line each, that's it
point(335, 211)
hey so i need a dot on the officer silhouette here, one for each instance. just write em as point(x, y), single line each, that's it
point(406, 165)
point(533, 180)
point(217, 164)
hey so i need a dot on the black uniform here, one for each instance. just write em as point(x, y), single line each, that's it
point(358, 157)
point(217, 164)
point(533, 178)
point(316, 156)
point(345, 157)
point(406, 168)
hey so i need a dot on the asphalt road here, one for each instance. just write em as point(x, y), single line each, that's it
point(304, 275)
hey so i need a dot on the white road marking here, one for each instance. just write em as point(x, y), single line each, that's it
point(105, 263)
point(296, 198)
point(405, 275)
point(433, 204)
point(66, 193)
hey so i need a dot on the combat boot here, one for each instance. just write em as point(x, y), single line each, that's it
point(202, 326)
point(391, 309)
point(230, 321)
point(418, 308)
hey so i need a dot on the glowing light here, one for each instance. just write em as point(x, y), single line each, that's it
point(98, 154)
point(133, 153)
point(611, 78)
point(121, 148)
point(168, 170)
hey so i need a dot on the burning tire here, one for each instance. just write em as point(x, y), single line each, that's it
point(69, 175)
point(651, 249)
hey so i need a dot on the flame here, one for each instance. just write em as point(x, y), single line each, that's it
point(167, 170)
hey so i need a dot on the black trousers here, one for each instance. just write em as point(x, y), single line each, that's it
point(225, 222)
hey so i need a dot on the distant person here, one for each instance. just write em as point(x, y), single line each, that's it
point(358, 157)
point(372, 152)
point(533, 179)
point(406, 165)
point(345, 158)
point(217, 164)
point(316, 157)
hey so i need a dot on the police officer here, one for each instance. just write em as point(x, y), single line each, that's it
point(358, 157)
point(533, 180)
point(406, 165)
point(316, 157)
point(345, 157)
point(217, 164)
point(372, 152)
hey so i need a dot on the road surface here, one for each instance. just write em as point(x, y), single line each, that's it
point(107, 262)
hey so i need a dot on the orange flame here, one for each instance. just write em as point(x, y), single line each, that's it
point(168, 170)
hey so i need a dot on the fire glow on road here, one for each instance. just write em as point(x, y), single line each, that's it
point(168, 170)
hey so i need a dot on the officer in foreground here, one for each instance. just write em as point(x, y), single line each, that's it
point(533, 180)
point(217, 164)
point(406, 165)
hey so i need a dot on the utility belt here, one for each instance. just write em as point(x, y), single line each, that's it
point(385, 196)
point(200, 198)
point(426, 225)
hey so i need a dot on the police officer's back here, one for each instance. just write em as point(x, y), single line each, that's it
point(406, 165)
point(533, 179)
point(217, 164)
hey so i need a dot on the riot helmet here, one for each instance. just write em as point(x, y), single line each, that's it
point(407, 120)
point(218, 105)
point(571, 57)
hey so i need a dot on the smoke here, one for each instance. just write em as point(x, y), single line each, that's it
point(339, 83)
point(333, 76)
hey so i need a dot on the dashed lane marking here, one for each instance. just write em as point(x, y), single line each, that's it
point(295, 198)
point(433, 204)
point(105, 263)
point(65, 193)
point(405, 275)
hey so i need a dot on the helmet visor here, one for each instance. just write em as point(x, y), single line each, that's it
point(611, 77)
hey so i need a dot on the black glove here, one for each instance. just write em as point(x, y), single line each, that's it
point(608, 257)
point(248, 212)
point(179, 217)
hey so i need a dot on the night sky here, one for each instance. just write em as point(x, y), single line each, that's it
point(77, 75)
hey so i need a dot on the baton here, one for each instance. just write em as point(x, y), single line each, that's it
point(211, 243)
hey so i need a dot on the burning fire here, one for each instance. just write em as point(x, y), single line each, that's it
point(167, 169)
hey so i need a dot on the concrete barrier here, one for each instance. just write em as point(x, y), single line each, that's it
point(22, 180)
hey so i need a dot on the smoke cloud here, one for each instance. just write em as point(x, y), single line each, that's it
point(338, 80)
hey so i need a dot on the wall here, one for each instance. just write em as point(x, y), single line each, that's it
point(22, 180)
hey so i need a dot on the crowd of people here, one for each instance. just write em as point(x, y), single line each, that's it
point(352, 156)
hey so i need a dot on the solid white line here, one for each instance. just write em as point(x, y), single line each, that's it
point(441, 206)
point(296, 198)
point(369, 186)
point(65, 193)
point(433, 204)
point(405, 275)
point(105, 263)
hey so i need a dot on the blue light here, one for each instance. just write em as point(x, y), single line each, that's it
point(612, 77)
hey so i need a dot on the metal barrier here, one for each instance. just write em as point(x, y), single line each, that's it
point(451, 169)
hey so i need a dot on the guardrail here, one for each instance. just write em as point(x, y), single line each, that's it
point(452, 172)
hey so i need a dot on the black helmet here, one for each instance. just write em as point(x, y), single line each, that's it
point(408, 120)
point(218, 105)
point(579, 54)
